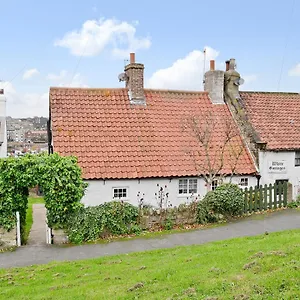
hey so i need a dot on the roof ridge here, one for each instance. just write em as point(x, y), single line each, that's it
point(265, 92)
point(124, 88)
point(175, 91)
point(84, 88)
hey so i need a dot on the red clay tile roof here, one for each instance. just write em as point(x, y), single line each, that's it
point(113, 139)
point(275, 117)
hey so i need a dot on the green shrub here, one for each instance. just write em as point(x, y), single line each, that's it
point(111, 218)
point(205, 210)
point(226, 200)
point(294, 204)
point(168, 224)
point(135, 229)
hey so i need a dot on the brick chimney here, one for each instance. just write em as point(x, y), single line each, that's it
point(214, 84)
point(135, 81)
point(227, 65)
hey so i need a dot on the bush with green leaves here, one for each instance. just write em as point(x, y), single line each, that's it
point(295, 203)
point(110, 218)
point(168, 223)
point(61, 180)
point(226, 200)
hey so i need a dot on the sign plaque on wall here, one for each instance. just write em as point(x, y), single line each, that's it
point(277, 166)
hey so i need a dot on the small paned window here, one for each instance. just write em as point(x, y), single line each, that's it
point(187, 186)
point(120, 193)
point(214, 185)
point(244, 182)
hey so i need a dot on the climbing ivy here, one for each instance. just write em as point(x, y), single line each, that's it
point(59, 177)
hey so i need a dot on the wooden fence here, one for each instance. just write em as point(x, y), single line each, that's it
point(265, 197)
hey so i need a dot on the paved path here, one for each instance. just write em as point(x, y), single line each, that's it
point(29, 255)
point(37, 235)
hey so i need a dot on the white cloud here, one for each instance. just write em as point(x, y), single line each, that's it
point(30, 73)
point(248, 84)
point(65, 79)
point(185, 73)
point(36, 104)
point(24, 105)
point(295, 71)
point(94, 36)
point(249, 78)
point(57, 77)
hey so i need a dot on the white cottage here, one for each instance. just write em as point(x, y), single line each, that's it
point(271, 123)
point(3, 134)
point(131, 141)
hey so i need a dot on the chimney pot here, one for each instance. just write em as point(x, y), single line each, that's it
point(227, 65)
point(132, 58)
point(212, 65)
point(232, 64)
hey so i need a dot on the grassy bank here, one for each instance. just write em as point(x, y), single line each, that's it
point(29, 219)
point(263, 267)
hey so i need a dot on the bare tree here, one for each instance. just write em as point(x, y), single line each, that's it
point(215, 145)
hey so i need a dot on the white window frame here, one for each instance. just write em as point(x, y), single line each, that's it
point(214, 184)
point(188, 186)
point(297, 158)
point(244, 181)
point(120, 188)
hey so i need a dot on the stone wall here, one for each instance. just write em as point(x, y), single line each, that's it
point(182, 215)
point(59, 237)
point(8, 238)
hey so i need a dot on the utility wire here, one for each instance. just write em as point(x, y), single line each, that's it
point(15, 76)
point(286, 43)
point(79, 60)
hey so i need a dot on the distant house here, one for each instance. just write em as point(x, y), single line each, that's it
point(131, 141)
point(270, 122)
point(3, 135)
point(36, 136)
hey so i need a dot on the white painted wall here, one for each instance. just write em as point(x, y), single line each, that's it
point(3, 134)
point(290, 172)
point(100, 191)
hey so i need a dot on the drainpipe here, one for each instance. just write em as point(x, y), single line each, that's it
point(49, 132)
point(258, 176)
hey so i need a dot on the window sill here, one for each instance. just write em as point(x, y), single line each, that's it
point(121, 199)
point(186, 195)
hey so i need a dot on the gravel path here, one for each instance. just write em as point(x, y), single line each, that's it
point(42, 254)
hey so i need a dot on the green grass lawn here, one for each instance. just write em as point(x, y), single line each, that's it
point(262, 267)
point(29, 220)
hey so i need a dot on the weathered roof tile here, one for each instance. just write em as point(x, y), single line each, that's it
point(275, 117)
point(114, 139)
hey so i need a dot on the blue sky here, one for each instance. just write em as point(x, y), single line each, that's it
point(84, 43)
